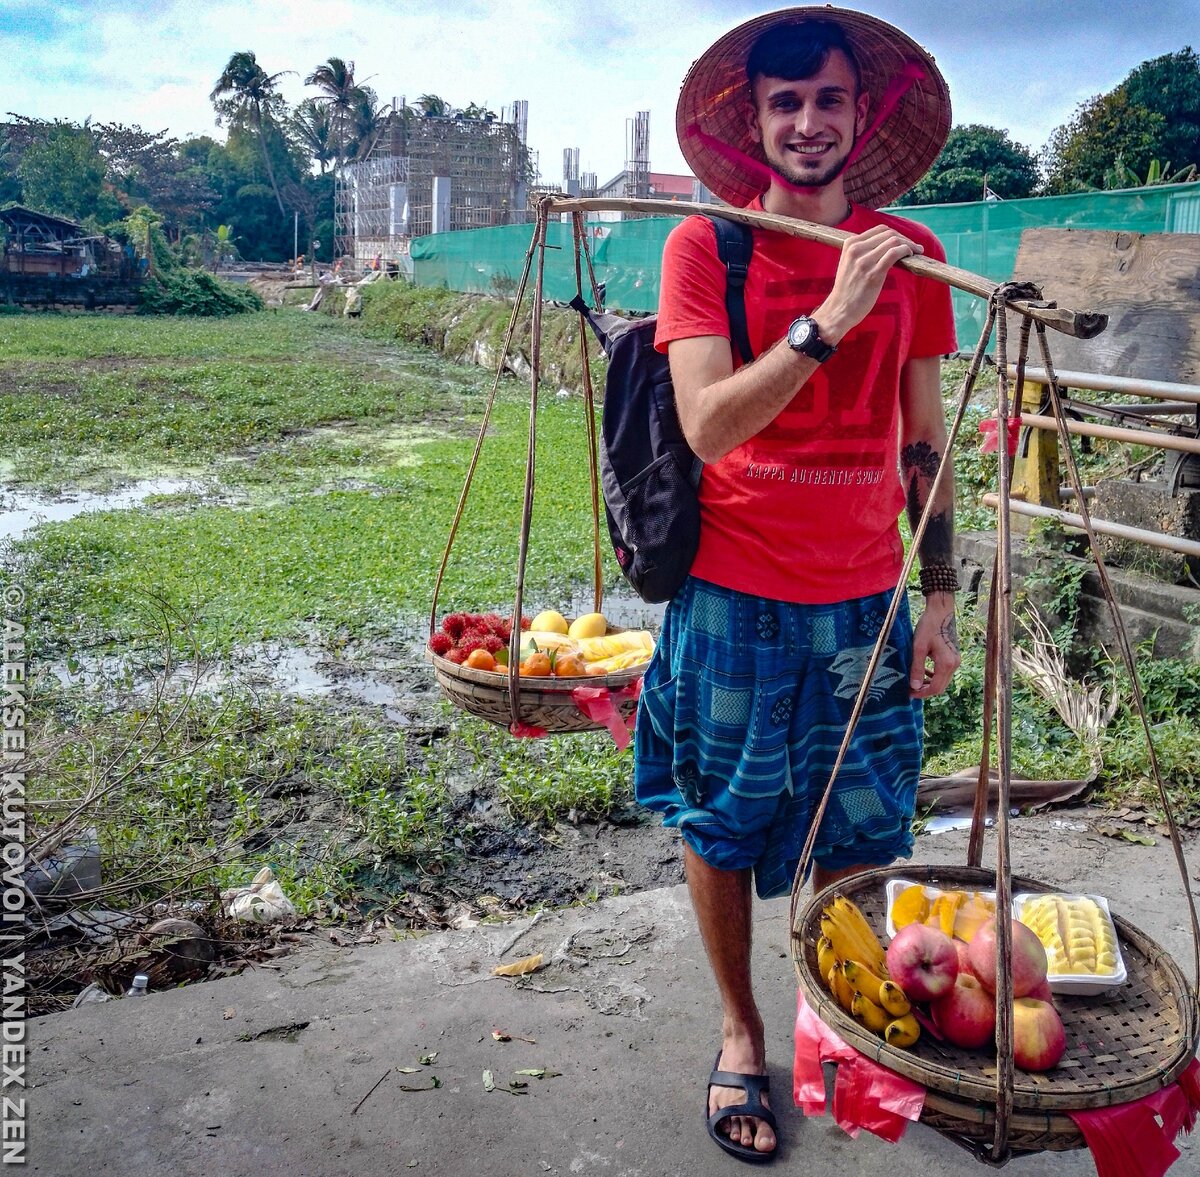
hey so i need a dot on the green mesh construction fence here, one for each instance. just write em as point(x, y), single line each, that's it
point(981, 237)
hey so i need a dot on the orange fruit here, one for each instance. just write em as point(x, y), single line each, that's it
point(911, 907)
point(481, 660)
point(569, 666)
point(536, 665)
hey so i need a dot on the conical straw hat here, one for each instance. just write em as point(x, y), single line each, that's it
point(715, 96)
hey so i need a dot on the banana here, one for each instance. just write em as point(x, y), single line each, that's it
point(871, 1015)
point(842, 992)
point(865, 981)
point(826, 957)
point(851, 935)
point(852, 916)
point(902, 1032)
point(893, 999)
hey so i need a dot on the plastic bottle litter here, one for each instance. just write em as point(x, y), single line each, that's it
point(139, 986)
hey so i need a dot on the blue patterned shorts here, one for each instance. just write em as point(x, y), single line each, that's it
point(742, 712)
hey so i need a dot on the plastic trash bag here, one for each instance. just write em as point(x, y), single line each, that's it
point(262, 902)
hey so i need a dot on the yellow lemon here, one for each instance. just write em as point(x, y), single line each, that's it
point(590, 625)
point(550, 621)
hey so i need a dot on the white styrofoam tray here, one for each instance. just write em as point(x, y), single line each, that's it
point(1080, 983)
point(1071, 983)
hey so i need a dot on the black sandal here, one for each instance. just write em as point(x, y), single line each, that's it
point(753, 1086)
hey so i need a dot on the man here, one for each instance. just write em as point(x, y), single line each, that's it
point(812, 451)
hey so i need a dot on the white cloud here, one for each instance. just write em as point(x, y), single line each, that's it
point(585, 67)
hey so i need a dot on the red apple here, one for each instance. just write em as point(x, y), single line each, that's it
point(923, 962)
point(966, 1015)
point(964, 956)
point(1042, 992)
point(1029, 962)
point(1039, 1039)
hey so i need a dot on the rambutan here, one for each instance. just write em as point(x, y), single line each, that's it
point(526, 622)
point(492, 643)
point(493, 621)
point(457, 657)
point(441, 644)
point(469, 643)
point(454, 624)
point(474, 630)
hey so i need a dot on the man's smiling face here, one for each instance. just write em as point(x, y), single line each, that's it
point(809, 126)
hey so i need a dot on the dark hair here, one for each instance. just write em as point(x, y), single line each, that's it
point(798, 51)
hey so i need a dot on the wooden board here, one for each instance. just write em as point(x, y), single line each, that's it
point(1147, 283)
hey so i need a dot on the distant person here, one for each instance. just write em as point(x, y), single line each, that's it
point(812, 452)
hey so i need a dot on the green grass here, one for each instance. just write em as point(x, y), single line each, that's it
point(338, 560)
point(236, 785)
point(85, 337)
point(106, 398)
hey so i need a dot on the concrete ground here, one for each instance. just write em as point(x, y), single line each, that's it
point(279, 1071)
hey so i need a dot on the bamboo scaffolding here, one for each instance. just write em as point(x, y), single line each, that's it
point(1164, 441)
point(1153, 539)
point(1125, 385)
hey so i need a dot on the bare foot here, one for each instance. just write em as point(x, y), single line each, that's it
point(743, 1056)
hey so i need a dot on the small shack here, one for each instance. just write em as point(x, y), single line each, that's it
point(50, 261)
point(41, 243)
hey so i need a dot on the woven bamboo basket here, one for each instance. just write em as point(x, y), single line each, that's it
point(542, 702)
point(1122, 1045)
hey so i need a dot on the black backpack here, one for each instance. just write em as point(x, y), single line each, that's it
point(648, 472)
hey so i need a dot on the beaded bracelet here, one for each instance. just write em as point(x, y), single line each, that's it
point(938, 578)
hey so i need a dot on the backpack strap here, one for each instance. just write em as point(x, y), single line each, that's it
point(735, 244)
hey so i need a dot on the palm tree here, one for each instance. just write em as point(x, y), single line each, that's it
point(431, 106)
point(313, 126)
point(474, 111)
point(246, 93)
point(367, 122)
point(341, 96)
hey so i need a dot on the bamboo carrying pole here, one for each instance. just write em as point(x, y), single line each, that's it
point(1082, 324)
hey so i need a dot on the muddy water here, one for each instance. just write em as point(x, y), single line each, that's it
point(22, 511)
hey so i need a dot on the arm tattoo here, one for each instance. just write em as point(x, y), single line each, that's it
point(919, 463)
point(948, 632)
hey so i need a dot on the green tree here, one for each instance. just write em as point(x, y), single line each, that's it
point(1104, 129)
point(64, 174)
point(313, 128)
point(1170, 86)
point(147, 168)
point(341, 95)
point(975, 155)
point(10, 184)
point(433, 106)
point(367, 122)
point(246, 94)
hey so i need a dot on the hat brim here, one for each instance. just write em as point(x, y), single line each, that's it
point(714, 100)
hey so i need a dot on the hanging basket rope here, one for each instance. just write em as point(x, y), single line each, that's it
point(1151, 1025)
point(527, 705)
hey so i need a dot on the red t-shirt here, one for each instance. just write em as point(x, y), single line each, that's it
point(807, 510)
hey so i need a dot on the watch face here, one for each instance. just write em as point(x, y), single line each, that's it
point(800, 333)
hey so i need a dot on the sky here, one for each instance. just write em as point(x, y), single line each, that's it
point(585, 68)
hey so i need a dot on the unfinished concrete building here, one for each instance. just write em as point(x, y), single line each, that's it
point(431, 174)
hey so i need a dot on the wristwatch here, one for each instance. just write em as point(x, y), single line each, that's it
point(805, 337)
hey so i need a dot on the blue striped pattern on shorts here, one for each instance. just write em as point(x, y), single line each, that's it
point(743, 709)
